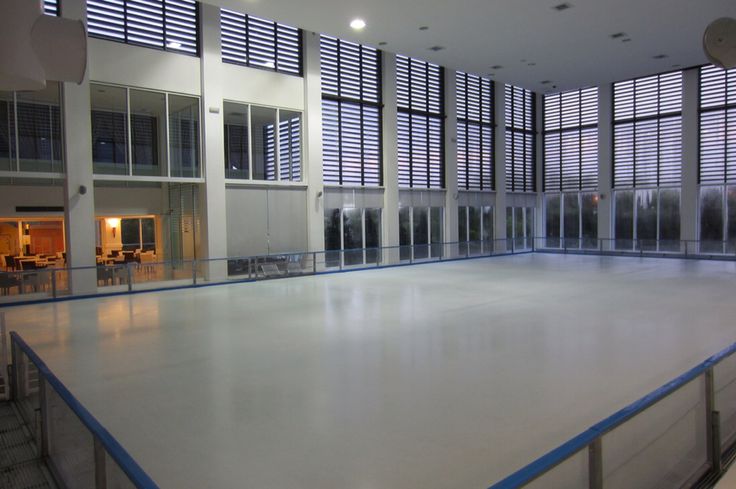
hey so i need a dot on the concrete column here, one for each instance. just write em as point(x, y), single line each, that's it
point(605, 163)
point(689, 195)
point(390, 154)
point(313, 135)
point(500, 165)
point(539, 224)
point(79, 191)
point(214, 222)
point(451, 190)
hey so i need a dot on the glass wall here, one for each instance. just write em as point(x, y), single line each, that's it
point(647, 219)
point(571, 220)
point(237, 140)
point(144, 133)
point(475, 229)
point(420, 232)
point(39, 240)
point(718, 219)
point(30, 130)
point(520, 227)
point(355, 231)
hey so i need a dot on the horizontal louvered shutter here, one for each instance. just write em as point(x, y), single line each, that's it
point(520, 139)
point(474, 132)
point(51, 7)
point(260, 43)
point(171, 25)
point(420, 97)
point(571, 141)
point(647, 132)
point(717, 125)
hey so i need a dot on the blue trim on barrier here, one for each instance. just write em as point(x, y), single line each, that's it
point(126, 463)
point(563, 452)
point(245, 281)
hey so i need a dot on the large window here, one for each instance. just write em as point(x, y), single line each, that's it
point(475, 229)
point(357, 232)
point(520, 139)
point(475, 123)
point(171, 25)
point(520, 227)
point(717, 160)
point(30, 130)
point(144, 133)
point(260, 43)
point(571, 220)
point(256, 145)
point(421, 123)
point(647, 161)
point(351, 113)
point(420, 233)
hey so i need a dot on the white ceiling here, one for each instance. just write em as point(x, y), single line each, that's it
point(571, 48)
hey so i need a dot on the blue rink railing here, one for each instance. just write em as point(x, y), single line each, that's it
point(79, 452)
point(678, 436)
point(55, 282)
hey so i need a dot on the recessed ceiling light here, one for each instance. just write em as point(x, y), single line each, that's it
point(174, 44)
point(562, 6)
point(678, 65)
point(660, 56)
point(436, 48)
point(382, 43)
point(531, 64)
point(545, 82)
point(496, 67)
point(357, 24)
point(424, 28)
point(618, 35)
point(628, 39)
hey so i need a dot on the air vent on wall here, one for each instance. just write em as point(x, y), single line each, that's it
point(52, 208)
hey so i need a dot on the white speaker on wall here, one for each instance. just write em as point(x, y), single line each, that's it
point(719, 42)
point(35, 47)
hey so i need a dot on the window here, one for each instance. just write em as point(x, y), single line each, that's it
point(571, 220)
point(259, 148)
point(260, 43)
point(475, 132)
point(351, 113)
point(475, 229)
point(717, 125)
point(647, 219)
point(647, 131)
point(420, 233)
point(520, 227)
point(718, 219)
point(357, 232)
point(171, 25)
point(51, 7)
point(571, 141)
point(30, 130)
point(421, 116)
point(130, 129)
point(138, 234)
point(520, 139)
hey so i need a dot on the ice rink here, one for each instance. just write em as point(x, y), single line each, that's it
point(438, 376)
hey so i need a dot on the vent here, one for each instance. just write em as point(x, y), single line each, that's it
point(436, 48)
point(32, 209)
point(562, 7)
point(660, 56)
point(496, 67)
point(618, 35)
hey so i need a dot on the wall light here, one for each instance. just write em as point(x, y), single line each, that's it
point(113, 223)
point(358, 24)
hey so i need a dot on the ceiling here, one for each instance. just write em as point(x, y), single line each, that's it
point(529, 39)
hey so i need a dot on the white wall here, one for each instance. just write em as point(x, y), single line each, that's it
point(12, 196)
point(122, 201)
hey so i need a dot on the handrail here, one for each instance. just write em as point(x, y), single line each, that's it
point(558, 455)
point(127, 464)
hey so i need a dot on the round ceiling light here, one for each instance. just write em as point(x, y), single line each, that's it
point(357, 24)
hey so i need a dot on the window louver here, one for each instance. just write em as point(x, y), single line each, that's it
point(290, 150)
point(571, 141)
point(51, 7)
point(647, 132)
point(717, 125)
point(351, 113)
point(520, 139)
point(475, 123)
point(421, 113)
point(260, 43)
point(171, 25)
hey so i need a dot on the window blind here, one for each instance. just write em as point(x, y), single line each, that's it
point(475, 132)
point(51, 7)
point(717, 125)
point(520, 139)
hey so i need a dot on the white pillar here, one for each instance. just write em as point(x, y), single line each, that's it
point(500, 165)
point(539, 169)
point(79, 192)
point(313, 135)
point(390, 155)
point(690, 156)
point(451, 190)
point(605, 163)
point(214, 222)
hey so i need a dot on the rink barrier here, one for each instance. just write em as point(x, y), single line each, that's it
point(716, 426)
point(76, 448)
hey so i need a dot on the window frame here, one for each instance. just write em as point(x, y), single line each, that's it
point(726, 108)
point(463, 127)
point(526, 132)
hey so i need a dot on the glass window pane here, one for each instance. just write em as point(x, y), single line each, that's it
point(624, 219)
point(7, 132)
point(372, 234)
point(462, 223)
point(147, 132)
point(39, 129)
point(731, 204)
point(572, 220)
point(509, 222)
point(552, 220)
point(130, 234)
point(332, 237)
point(421, 232)
point(589, 218)
point(474, 222)
point(488, 231)
point(290, 145)
point(646, 218)
point(436, 230)
point(184, 136)
point(148, 234)
point(236, 141)
point(519, 222)
point(529, 221)
point(669, 220)
point(109, 129)
point(405, 232)
point(352, 235)
point(263, 138)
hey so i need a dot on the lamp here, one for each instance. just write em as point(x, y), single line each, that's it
point(113, 223)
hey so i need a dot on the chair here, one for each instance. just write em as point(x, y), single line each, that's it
point(9, 262)
point(105, 275)
point(7, 282)
point(271, 270)
point(31, 279)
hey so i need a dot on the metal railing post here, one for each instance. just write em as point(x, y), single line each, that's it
point(44, 421)
point(314, 263)
point(129, 273)
point(100, 465)
point(194, 272)
point(53, 283)
point(713, 424)
point(595, 464)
